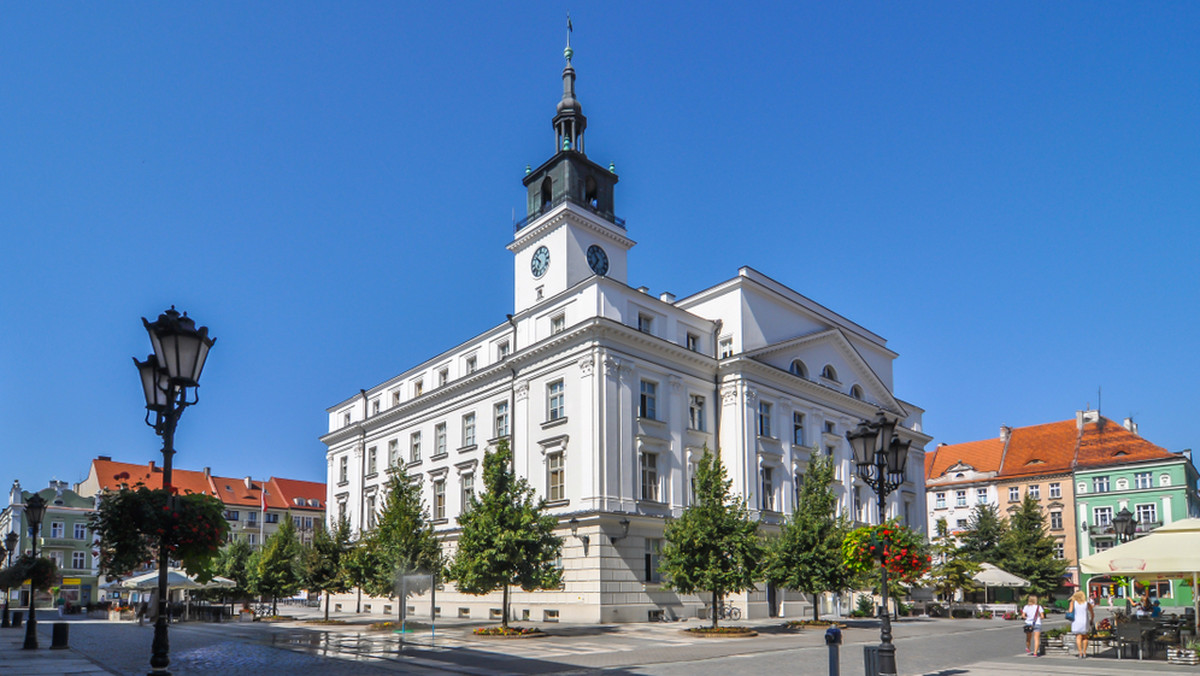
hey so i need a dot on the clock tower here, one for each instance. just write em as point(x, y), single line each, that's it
point(570, 231)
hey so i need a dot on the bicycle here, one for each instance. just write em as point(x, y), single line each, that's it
point(725, 611)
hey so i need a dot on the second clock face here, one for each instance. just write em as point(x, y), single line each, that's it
point(597, 260)
point(540, 262)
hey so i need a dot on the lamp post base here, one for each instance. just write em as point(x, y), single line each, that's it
point(31, 631)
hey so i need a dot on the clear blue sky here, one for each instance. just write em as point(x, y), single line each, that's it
point(1008, 192)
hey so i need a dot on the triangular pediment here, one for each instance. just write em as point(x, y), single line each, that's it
point(874, 389)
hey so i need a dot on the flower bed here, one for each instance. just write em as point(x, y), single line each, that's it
point(509, 632)
point(721, 632)
point(1182, 656)
point(392, 625)
point(324, 622)
point(799, 624)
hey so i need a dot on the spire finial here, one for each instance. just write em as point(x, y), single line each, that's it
point(568, 52)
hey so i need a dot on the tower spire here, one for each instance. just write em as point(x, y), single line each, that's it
point(569, 121)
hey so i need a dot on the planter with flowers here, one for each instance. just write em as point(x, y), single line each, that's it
point(1188, 654)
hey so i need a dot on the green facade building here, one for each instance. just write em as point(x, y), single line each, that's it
point(63, 536)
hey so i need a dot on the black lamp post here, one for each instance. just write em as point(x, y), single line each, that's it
point(881, 456)
point(10, 545)
point(1124, 525)
point(180, 350)
point(35, 509)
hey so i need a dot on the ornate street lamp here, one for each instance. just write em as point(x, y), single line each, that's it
point(881, 457)
point(180, 350)
point(35, 509)
point(10, 545)
point(1124, 525)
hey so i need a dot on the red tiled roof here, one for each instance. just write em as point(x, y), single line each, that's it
point(111, 475)
point(1107, 443)
point(983, 455)
point(289, 491)
point(1040, 449)
point(235, 492)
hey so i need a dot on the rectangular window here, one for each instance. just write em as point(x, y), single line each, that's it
point(649, 462)
point(395, 397)
point(393, 452)
point(645, 323)
point(501, 410)
point(1142, 480)
point(1056, 522)
point(78, 560)
point(939, 500)
point(830, 428)
point(960, 498)
point(693, 342)
point(797, 488)
point(1102, 516)
point(1146, 514)
point(556, 404)
point(764, 419)
point(1014, 494)
point(555, 488)
point(726, 348)
point(696, 413)
point(502, 349)
point(414, 447)
point(439, 499)
point(653, 552)
point(471, 364)
point(346, 418)
point(648, 404)
point(443, 377)
point(418, 388)
point(797, 429)
point(251, 517)
point(58, 529)
point(1059, 550)
point(81, 531)
point(768, 489)
point(370, 509)
point(468, 430)
point(272, 517)
point(375, 407)
point(468, 490)
point(960, 524)
point(343, 469)
point(1100, 484)
point(1055, 491)
point(981, 496)
point(439, 439)
point(232, 515)
point(371, 460)
point(252, 539)
point(1034, 491)
point(558, 323)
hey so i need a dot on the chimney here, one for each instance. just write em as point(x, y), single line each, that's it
point(1005, 432)
point(1130, 425)
point(152, 467)
point(644, 289)
point(107, 458)
point(1084, 417)
point(248, 482)
point(667, 297)
point(207, 472)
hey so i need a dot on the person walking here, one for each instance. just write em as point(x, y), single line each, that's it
point(1033, 614)
point(1081, 621)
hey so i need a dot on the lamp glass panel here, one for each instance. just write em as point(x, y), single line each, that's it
point(35, 509)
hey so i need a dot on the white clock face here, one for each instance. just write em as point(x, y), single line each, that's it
point(540, 262)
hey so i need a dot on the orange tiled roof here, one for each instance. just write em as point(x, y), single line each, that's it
point(289, 490)
point(1106, 443)
point(1040, 449)
point(112, 474)
point(983, 455)
point(235, 492)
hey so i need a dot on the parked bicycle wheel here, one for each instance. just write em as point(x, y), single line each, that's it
point(735, 613)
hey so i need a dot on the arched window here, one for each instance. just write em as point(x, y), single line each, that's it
point(547, 192)
point(856, 392)
point(798, 368)
point(589, 193)
point(829, 373)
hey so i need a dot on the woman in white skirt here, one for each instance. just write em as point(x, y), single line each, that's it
point(1081, 624)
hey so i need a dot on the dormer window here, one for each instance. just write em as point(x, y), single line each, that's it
point(856, 392)
point(798, 368)
point(829, 373)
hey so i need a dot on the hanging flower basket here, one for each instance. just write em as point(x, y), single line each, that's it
point(901, 550)
point(131, 523)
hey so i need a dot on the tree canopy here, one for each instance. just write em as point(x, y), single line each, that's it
point(981, 541)
point(278, 566)
point(323, 560)
point(1027, 550)
point(402, 542)
point(506, 538)
point(714, 545)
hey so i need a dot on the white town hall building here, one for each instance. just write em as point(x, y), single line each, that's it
point(608, 396)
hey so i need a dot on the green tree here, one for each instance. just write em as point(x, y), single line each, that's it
point(714, 545)
point(234, 563)
point(403, 542)
point(358, 566)
point(1028, 550)
point(506, 537)
point(323, 560)
point(951, 570)
point(279, 565)
point(981, 540)
point(807, 555)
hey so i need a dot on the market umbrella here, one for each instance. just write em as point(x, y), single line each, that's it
point(1170, 551)
point(176, 579)
point(991, 576)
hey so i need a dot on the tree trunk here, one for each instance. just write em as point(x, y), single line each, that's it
point(274, 605)
point(326, 606)
point(716, 610)
point(358, 606)
point(816, 607)
point(504, 609)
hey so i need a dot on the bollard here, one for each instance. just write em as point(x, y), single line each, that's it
point(59, 635)
point(17, 616)
point(833, 639)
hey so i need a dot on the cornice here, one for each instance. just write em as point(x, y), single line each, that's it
point(567, 212)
